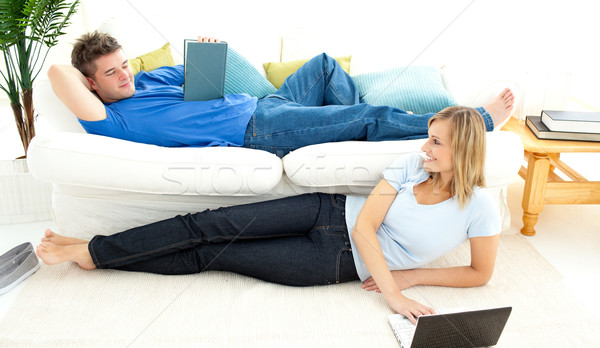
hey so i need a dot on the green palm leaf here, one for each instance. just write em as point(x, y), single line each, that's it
point(28, 29)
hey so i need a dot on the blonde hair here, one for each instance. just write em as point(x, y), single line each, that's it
point(468, 150)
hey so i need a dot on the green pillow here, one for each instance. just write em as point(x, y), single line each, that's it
point(278, 72)
point(242, 77)
point(152, 60)
point(414, 88)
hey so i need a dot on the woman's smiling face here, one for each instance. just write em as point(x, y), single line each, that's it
point(438, 148)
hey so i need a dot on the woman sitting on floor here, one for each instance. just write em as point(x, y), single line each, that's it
point(422, 209)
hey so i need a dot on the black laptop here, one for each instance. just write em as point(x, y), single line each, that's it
point(479, 328)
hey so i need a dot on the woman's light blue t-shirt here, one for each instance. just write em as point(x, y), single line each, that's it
point(412, 234)
point(157, 114)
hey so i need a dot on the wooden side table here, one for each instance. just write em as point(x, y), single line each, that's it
point(542, 184)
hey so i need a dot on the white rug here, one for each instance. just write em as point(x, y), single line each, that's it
point(64, 306)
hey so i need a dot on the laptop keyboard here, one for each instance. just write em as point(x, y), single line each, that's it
point(403, 329)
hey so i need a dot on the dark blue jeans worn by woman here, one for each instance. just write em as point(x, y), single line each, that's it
point(301, 240)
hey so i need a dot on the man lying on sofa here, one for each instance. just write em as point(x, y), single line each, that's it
point(317, 104)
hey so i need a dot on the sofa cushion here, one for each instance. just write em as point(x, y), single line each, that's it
point(413, 88)
point(278, 72)
point(107, 163)
point(360, 164)
point(242, 77)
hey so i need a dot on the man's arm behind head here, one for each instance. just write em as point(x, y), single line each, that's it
point(74, 90)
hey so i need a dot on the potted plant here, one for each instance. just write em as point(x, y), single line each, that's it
point(28, 29)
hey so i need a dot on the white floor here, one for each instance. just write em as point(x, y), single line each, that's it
point(568, 236)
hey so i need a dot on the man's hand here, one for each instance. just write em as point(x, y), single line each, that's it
point(207, 39)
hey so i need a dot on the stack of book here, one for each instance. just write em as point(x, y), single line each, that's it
point(566, 125)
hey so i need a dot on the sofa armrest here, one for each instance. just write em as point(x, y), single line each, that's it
point(102, 162)
point(52, 109)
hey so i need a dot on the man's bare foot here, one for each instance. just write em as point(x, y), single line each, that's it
point(501, 107)
point(53, 254)
point(57, 239)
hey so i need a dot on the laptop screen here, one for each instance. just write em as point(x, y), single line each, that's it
point(463, 329)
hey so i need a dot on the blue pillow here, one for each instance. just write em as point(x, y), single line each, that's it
point(242, 77)
point(414, 88)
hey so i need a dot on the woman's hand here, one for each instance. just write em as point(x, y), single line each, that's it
point(207, 39)
point(400, 277)
point(409, 308)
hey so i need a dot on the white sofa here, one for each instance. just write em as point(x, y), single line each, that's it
point(103, 185)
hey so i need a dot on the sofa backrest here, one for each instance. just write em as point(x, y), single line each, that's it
point(139, 35)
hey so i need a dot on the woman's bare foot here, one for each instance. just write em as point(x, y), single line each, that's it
point(57, 239)
point(501, 107)
point(53, 254)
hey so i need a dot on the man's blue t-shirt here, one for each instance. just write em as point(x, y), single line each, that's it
point(157, 114)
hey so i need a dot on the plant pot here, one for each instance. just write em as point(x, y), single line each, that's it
point(23, 198)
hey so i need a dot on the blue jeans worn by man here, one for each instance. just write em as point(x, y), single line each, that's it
point(320, 104)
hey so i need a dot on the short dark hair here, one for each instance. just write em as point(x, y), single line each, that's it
point(88, 48)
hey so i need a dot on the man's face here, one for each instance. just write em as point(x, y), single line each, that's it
point(113, 79)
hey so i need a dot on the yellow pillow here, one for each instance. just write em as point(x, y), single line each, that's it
point(278, 72)
point(135, 65)
point(152, 60)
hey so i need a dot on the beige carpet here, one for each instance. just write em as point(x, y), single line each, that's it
point(64, 306)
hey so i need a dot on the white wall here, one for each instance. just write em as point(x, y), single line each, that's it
point(503, 36)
